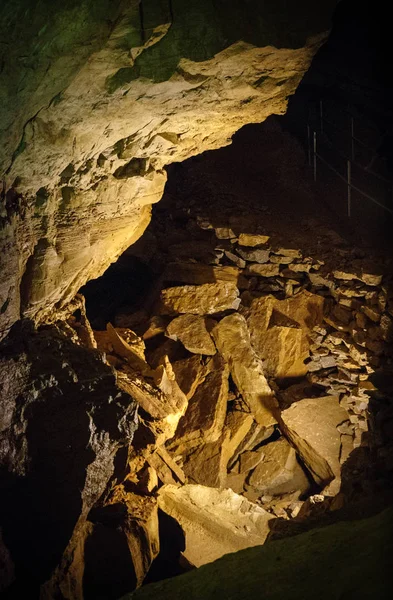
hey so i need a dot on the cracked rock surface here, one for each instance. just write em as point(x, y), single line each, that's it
point(64, 423)
point(97, 97)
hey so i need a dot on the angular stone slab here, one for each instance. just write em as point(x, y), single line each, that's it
point(311, 426)
point(129, 346)
point(267, 270)
point(193, 332)
point(239, 262)
point(250, 459)
point(260, 313)
point(235, 481)
point(160, 398)
point(205, 299)
point(166, 468)
point(255, 256)
point(305, 308)
point(189, 373)
point(291, 252)
point(254, 436)
point(361, 270)
point(208, 464)
point(175, 351)
point(224, 233)
point(206, 411)
point(284, 350)
point(214, 522)
point(198, 274)
point(239, 425)
point(233, 342)
point(252, 239)
point(156, 326)
point(279, 330)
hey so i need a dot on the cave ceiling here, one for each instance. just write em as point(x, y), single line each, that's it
point(97, 97)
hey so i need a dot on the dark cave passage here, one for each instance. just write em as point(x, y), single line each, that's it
point(227, 383)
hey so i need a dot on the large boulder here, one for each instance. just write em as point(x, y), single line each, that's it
point(214, 522)
point(277, 473)
point(207, 464)
point(311, 425)
point(193, 332)
point(206, 411)
point(232, 339)
point(279, 331)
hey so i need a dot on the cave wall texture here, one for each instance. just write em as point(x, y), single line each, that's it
point(97, 96)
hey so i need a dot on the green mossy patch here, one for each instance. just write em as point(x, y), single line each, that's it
point(43, 43)
point(345, 561)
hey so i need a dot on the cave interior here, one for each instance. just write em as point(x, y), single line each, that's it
point(214, 380)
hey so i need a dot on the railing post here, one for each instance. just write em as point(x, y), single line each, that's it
point(352, 141)
point(309, 145)
point(349, 188)
point(315, 155)
point(321, 116)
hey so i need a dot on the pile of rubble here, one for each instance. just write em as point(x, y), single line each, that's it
point(252, 365)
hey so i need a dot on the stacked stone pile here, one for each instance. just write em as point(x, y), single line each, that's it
point(252, 363)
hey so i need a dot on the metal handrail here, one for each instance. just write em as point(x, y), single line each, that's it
point(354, 162)
point(347, 179)
point(353, 187)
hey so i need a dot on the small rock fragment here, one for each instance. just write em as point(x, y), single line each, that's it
point(250, 239)
point(281, 260)
point(267, 270)
point(292, 252)
point(255, 256)
point(205, 299)
point(224, 233)
point(239, 262)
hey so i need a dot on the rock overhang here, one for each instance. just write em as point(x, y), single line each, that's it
point(99, 97)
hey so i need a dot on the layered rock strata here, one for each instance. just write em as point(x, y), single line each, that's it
point(97, 99)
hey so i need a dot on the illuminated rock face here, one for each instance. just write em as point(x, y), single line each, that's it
point(215, 522)
point(97, 97)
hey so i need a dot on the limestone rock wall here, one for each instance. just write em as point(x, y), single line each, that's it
point(98, 96)
point(64, 428)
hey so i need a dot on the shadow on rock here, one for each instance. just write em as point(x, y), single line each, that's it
point(62, 423)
